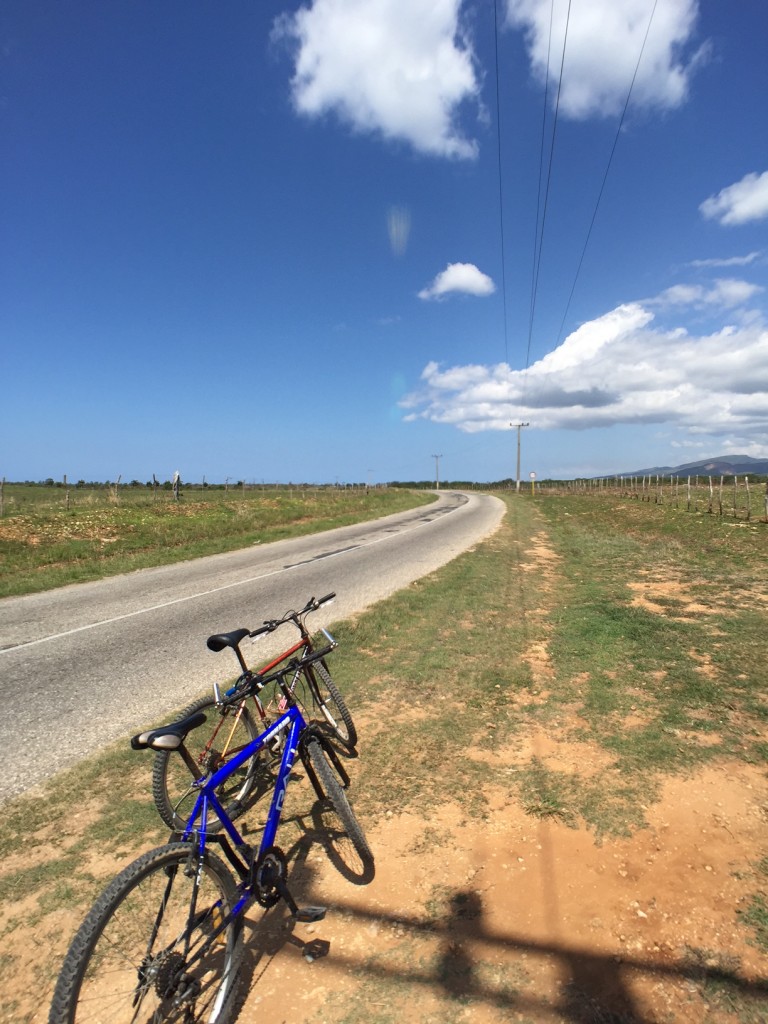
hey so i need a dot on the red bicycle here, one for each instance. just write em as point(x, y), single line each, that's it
point(231, 725)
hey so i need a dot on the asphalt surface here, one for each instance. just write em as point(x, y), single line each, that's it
point(85, 665)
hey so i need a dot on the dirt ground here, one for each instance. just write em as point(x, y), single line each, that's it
point(514, 919)
point(529, 920)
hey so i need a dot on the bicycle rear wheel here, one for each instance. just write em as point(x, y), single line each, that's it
point(144, 953)
point(331, 704)
point(334, 795)
point(224, 731)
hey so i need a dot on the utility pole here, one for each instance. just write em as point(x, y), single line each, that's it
point(437, 471)
point(519, 427)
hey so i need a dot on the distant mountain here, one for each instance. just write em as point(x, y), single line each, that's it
point(725, 465)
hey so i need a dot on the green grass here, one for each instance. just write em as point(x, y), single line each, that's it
point(49, 545)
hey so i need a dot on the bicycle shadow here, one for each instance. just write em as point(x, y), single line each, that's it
point(321, 829)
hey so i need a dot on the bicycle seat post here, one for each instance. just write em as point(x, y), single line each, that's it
point(240, 658)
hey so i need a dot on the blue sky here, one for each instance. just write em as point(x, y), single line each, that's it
point(270, 241)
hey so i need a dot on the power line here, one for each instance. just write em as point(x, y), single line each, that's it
point(607, 169)
point(540, 235)
point(541, 169)
point(501, 195)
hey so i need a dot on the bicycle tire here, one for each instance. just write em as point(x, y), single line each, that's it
point(172, 788)
point(331, 704)
point(126, 960)
point(337, 798)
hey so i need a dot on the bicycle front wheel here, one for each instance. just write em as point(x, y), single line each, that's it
point(334, 795)
point(150, 950)
point(331, 704)
point(224, 731)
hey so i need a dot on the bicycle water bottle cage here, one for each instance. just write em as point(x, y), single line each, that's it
point(219, 641)
point(168, 737)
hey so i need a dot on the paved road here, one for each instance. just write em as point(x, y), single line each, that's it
point(85, 665)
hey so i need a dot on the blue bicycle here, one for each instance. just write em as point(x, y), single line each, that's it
point(164, 940)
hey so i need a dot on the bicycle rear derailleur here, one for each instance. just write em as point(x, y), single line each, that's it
point(269, 875)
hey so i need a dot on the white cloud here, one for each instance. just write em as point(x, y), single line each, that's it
point(459, 277)
point(398, 68)
point(745, 201)
point(729, 261)
point(725, 293)
point(604, 41)
point(617, 369)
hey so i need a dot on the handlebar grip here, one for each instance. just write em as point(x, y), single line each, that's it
point(324, 600)
point(266, 628)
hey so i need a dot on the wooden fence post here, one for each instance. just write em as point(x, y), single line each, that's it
point(749, 498)
point(2, 497)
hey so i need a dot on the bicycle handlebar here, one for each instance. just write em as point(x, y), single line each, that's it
point(311, 606)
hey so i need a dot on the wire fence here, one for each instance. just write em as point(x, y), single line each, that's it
point(737, 497)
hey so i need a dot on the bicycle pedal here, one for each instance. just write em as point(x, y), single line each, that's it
point(316, 949)
point(309, 914)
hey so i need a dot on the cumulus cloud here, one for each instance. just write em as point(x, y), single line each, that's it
point(459, 277)
point(740, 203)
point(617, 369)
point(604, 41)
point(398, 68)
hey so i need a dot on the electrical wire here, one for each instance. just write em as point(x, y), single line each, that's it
point(501, 191)
point(541, 168)
point(540, 234)
point(607, 169)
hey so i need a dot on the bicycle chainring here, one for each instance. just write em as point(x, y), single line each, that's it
point(269, 876)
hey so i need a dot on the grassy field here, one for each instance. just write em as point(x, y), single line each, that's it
point(51, 536)
point(631, 634)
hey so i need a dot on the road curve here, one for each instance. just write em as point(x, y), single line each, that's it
point(87, 664)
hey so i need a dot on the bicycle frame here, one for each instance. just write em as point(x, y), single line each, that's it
point(294, 722)
point(304, 643)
